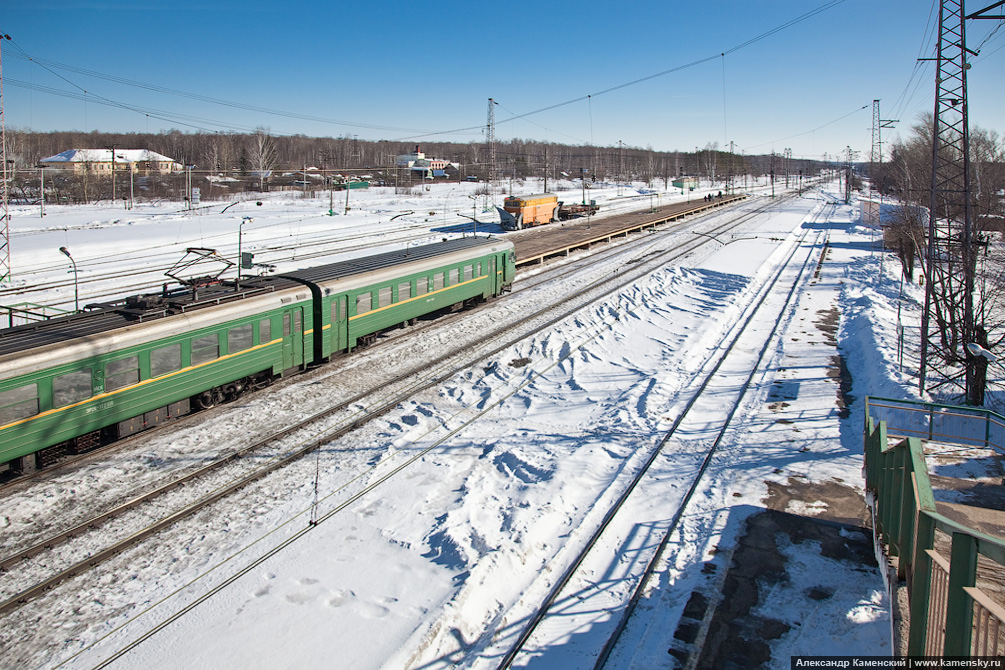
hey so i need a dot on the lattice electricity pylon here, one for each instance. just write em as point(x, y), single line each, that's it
point(490, 138)
point(5, 189)
point(947, 324)
point(876, 157)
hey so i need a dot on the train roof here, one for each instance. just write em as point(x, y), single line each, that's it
point(369, 264)
point(106, 317)
point(113, 316)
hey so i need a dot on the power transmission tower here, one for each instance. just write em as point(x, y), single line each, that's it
point(947, 324)
point(5, 195)
point(356, 151)
point(490, 138)
point(876, 153)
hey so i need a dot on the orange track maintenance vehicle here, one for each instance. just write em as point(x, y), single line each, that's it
point(518, 212)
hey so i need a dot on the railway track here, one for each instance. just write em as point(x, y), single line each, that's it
point(411, 382)
point(272, 250)
point(548, 273)
point(575, 564)
point(645, 261)
point(326, 247)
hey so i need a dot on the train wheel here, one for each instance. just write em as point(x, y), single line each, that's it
point(205, 400)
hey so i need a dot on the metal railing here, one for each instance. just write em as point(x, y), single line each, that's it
point(949, 614)
point(968, 426)
point(29, 312)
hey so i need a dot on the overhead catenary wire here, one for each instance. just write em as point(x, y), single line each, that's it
point(50, 65)
point(831, 122)
point(694, 63)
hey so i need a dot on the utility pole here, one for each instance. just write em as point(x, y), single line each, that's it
point(545, 168)
point(948, 326)
point(729, 175)
point(847, 175)
point(621, 165)
point(111, 149)
point(772, 174)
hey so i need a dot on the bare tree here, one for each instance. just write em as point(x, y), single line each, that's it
point(262, 155)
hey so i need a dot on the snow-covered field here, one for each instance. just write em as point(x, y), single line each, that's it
point(438, 566)
point(118, 252)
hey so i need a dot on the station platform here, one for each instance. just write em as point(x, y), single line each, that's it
point(535, 245)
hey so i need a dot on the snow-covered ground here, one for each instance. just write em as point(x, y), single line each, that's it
point(437, 567)
point(120, 252)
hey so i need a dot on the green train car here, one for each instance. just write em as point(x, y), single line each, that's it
point(356, 299)
point(71, 383)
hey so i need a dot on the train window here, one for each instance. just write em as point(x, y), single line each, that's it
point(205, 348)
point(297, 316)
point(363, 301)
point(384, 297)
point(437, 281)
point(338, 309)
point(453, 276)
point(467, 272)
point(164, 360)
point(404, 291)
point(19, 403)
point(264, 331)
point(71, 387)
point(421, 285)
point(239, 339)
point(286, 324)
point(122, 373)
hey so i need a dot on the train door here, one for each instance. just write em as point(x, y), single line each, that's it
point(340, 324)
point(493, 277)
point(293, 338)
point(508, 265)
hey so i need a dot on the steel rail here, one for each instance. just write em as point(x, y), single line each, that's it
point(654, 561)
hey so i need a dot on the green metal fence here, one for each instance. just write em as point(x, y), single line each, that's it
point(949, 615)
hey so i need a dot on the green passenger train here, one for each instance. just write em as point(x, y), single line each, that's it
point(73, 382)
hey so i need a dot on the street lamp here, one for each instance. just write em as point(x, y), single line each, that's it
point(76, 286)
point(977, 350)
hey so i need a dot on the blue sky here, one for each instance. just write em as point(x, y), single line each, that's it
point(411, 71)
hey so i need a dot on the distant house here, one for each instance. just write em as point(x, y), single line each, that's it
point(422, 166)
point(139, 161)
point(690, 183)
